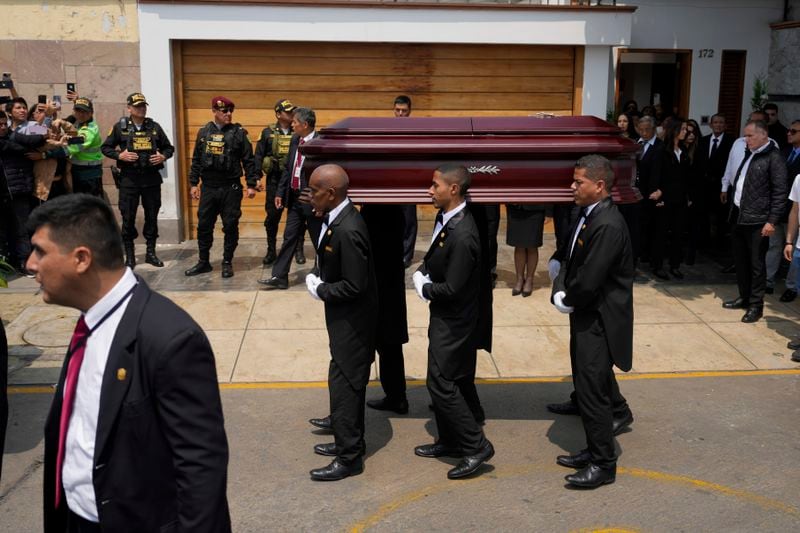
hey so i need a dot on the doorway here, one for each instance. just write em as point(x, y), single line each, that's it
point(659, 78)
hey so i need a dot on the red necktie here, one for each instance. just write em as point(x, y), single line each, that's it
point(77, 347)
point(296, 169)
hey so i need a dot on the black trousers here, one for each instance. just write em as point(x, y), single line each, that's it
point(3, 393)
point(493, 225)
point(273, 218)
point(298, 217)
point(15, 243)
point(88, 179)
point(455, 421)
point(410, 232)
point(129, 203)
point(668, 230)
point(392, 369)
point(595, 385)
point(347, 415)
point(561, 219)
point(224, 202)
point(749, 256)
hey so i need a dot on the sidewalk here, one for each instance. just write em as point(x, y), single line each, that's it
point(269, 336)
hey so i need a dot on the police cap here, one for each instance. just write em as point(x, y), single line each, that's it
point(284, 105)
point(84, 104)
point(221, 103)
point(135, 99)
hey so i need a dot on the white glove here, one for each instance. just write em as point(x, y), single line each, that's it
point(553, 268)
point(420, 280)
point(312, 282)
point(558, 302)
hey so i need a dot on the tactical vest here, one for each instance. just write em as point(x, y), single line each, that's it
point(143, 142)
point(220, 146)
point(279, 150)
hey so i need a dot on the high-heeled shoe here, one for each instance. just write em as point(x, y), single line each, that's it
point(518, 287)
point(527, 289)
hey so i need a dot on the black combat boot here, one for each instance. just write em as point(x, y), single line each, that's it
point(150, 256)
point(270, 257)
point(130, 255)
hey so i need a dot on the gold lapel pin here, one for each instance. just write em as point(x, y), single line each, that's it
point(442, 235)
point(441, 244)
point(329, 233)
point(121, 374)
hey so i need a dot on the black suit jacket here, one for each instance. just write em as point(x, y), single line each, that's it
point(161, 454)
point(350, 294)
point(713, 168)
point(386, 224)
point(453, 264)
point(598, 279)
point(648, 169)
point(285, 183)
point(792, 170)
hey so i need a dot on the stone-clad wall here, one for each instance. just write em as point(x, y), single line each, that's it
point(784, 72)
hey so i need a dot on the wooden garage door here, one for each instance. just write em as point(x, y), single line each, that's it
point(339, 80)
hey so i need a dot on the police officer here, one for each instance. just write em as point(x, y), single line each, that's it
point(271, 151)
point(221, 150)
point(140, 147)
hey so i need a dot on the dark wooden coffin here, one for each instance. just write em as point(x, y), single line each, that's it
point(512, 159)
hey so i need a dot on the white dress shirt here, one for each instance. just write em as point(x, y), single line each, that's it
point(332, 214)
point(78, 467)
point(646, 145)
point(446, 218)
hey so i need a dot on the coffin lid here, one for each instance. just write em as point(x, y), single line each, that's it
point(378, 126)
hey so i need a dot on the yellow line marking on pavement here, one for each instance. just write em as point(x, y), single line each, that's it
point(37, 389)
point(498, 473)
point(605, 529)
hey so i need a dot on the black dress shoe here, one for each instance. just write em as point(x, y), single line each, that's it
point(337, 470)
point(152, 259)
point(788, 295)
point(621, 424)
point(275, 283)
point(269, 258)
point(794, 344)
point(730, 269)
point(227, 269)
point(737, 303)
point(592, 476)
point(200, 268)
point(677, 274)
point(753, 314)
point(386, 404)
point(300, 257)
point(769, 290)
point(471, 463)
point(327, 448)
point(321, 423)
point(577, 461)
point(437, 450)
point(661, 274)
point(565, 408)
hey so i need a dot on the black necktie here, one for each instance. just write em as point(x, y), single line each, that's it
point(326, 219)
point(714, 146)
point(584, 212)
point(439, 219)
point(792, 156)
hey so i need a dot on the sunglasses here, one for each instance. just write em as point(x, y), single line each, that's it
point(793, 132)
point(226, 110)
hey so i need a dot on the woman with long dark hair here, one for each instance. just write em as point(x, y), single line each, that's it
point(673, 203)
point(625, 123)
point(698, 216)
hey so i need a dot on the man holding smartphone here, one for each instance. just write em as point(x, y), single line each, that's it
point(140, 147)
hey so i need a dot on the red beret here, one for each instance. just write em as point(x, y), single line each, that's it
point(220, 102)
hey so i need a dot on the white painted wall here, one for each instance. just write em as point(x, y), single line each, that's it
point(708, 24)
point(159, 24)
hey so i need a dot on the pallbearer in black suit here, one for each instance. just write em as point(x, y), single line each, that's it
point(346, 283)
point(449, 278)
point(595, 286)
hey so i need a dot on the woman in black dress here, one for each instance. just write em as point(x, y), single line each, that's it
point(524, 232)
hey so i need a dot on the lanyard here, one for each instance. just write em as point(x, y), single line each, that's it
point(84, 340)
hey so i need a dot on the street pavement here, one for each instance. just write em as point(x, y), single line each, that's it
point(714, 445)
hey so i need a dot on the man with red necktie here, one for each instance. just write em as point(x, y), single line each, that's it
point(135, 439)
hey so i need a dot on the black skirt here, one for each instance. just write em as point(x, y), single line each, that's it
point(525, 226)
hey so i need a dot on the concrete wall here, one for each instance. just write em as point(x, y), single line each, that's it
point(708, 24)
point(784, 73)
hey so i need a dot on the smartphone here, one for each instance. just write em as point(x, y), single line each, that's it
point(42, 98)
point(6, 75)
point(71, 88)
point(57, 101)
point(78, 139)
point(6, 82)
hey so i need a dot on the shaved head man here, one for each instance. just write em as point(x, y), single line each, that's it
point(346, 283)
